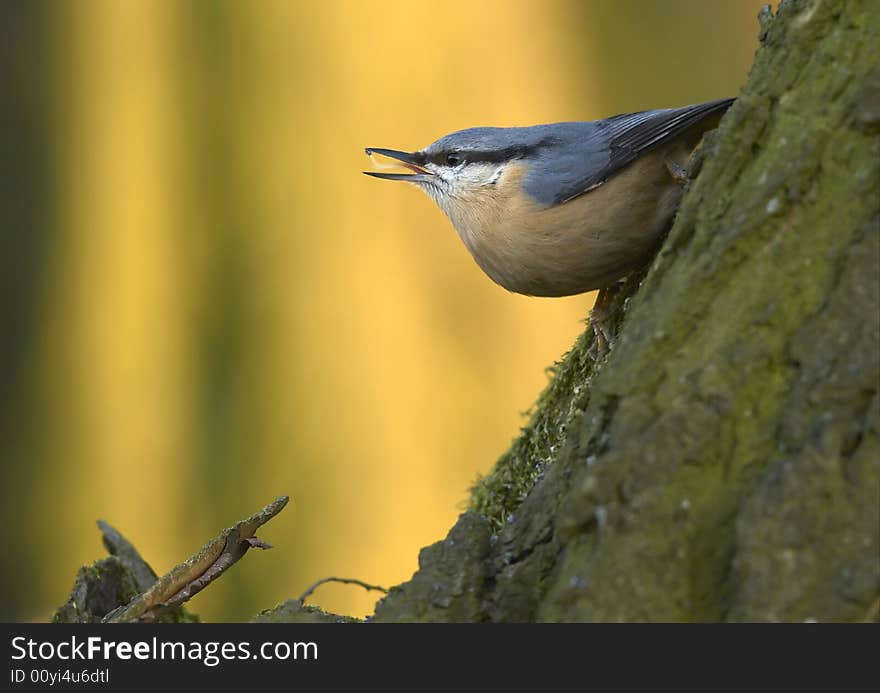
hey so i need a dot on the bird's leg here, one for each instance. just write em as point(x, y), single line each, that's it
point(601, 313)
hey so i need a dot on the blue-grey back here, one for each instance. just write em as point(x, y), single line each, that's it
point(567, 159)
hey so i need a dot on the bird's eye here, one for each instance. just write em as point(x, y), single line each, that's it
point(454, 159)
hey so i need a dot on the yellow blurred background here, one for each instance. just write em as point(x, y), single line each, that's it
point(206, 305)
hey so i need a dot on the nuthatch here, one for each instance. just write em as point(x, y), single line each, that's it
point(560, 209)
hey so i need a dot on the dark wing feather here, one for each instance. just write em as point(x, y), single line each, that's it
point(631, 135)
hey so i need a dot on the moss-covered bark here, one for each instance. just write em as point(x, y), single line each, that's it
point(104, 586)
point(724, 462)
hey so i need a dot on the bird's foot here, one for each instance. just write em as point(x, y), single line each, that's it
point(677, 171)
point(602, 341)
point(600, 316)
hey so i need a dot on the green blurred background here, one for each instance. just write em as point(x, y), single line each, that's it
point(206, 305)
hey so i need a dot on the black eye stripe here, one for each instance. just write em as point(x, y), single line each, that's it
point(474, 156)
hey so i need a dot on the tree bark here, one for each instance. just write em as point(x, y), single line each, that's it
point(723, 463)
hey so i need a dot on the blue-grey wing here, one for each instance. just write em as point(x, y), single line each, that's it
point(593, 152)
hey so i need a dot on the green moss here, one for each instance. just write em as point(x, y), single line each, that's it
point(499, 493)
point(294, 611)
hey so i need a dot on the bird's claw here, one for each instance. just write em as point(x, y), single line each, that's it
point(603, 340)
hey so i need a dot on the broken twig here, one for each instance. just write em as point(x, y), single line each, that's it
point(345, 581)
point(197, 572)
point(117, 545)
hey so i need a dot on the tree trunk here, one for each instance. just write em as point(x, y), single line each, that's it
point(723, 462)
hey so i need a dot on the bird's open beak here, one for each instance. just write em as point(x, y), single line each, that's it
point(418, 173)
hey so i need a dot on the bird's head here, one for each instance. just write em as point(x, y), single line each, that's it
point(462, 167)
